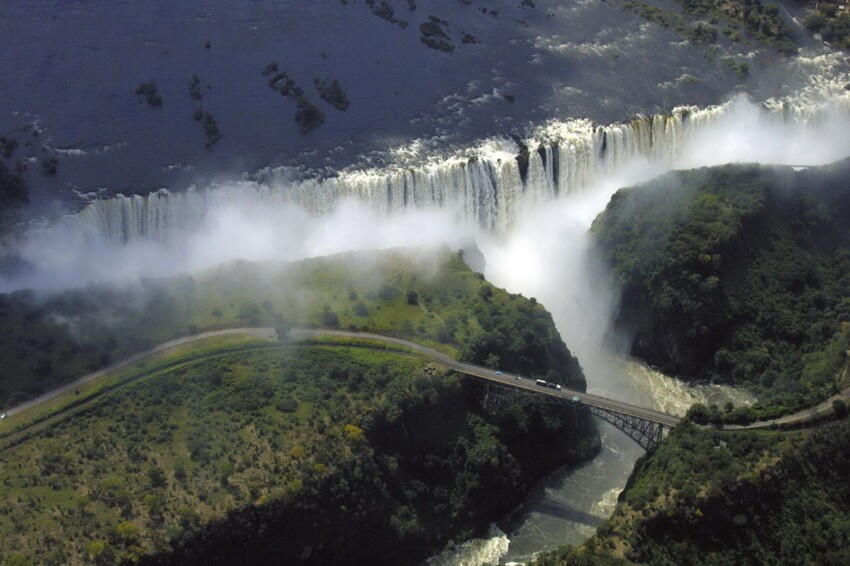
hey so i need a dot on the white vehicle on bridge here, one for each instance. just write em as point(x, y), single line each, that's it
point(542, 383)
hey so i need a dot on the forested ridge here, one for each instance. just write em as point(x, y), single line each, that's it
point(737, 274)
point(722, 498)
point(47, 339)
point(334, 452)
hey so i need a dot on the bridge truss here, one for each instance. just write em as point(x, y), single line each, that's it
point(645, 432)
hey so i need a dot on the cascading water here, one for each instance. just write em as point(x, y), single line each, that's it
point(486, 185)
point(532, 191)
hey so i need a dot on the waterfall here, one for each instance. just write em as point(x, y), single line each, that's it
point(486, 184)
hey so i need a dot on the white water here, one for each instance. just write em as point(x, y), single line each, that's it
point(476, 552)
point(533, 234)
point(484, 185)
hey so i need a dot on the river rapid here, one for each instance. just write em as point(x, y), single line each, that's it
point(568, 506)
point(441, 169)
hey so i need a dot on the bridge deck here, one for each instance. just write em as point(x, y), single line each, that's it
point(508, 380)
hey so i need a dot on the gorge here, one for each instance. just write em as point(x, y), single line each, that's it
point(516, 140)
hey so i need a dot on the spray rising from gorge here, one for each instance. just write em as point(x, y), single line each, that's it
point(490, 190)
point(527, 202)
point(529, 210)
point(488, 184)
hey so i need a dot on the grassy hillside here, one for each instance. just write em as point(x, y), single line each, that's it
point(359, 454)
point(709, 497)
point(238, 450)
point(49, 340)
point(738, 274)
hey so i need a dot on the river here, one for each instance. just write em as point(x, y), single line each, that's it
point(550, 255)
point(568, 506)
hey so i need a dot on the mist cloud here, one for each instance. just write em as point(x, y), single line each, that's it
point(544, 254)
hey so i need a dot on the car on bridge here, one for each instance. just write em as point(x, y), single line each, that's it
point(498, 373)
point(519, 378)
point(575, 400)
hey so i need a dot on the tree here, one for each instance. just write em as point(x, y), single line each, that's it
point(282, 329)
point(329, 318)
point(698, 413)
point(840, 409)
point(387, 292)
point(492, 361)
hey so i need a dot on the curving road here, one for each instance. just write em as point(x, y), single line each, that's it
point(504, 379)
point(509, 380)
point(257, 332)
point(472, 370)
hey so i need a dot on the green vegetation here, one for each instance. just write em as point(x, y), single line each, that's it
point(332, 93)
point(387, 12)
point(741, 68)
point(382, 449)
point(241, 450)
point(49, 165)
point(211, 130)
point(434, 36)
point(307, 115)
point(737, 274)
point(761, 22)
point(14, 195)
point(8, 145)
point(195, 88)
point(832, 24)
point(709, 497)
point(13, 190)
point(48, 341)
point(148, 91)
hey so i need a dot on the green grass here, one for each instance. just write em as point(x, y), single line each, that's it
point(49, 341)
point(163, 422)
point(147, 368)
point(197, 435)
point(176, 454)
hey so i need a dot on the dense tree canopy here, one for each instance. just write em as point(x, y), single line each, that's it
point(738, 274)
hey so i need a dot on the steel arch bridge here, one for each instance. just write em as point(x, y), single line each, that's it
point(643, 429)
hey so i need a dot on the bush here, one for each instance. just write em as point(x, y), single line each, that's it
point(148, 90)
point(332, 93)
point(839, 407)
point(387, 292)
point(329, 318)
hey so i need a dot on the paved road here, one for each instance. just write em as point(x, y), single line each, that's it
point(814, 413)
point(821, 410)
point(503, 378)
point(257, 332)
point(302, 333)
